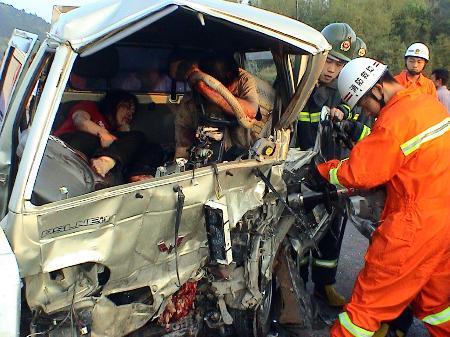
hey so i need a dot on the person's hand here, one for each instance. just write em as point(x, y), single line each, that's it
point(337, 114)
point(353, 129)
point(341, 112)
point(106, 138)
point(140, 177)
point(316, 182)
point(194, 69)
point(102, 165)
point(313, 179)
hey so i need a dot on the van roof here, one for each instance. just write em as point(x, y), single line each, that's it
point(91, 23)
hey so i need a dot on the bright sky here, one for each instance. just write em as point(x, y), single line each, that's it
point(43, 8)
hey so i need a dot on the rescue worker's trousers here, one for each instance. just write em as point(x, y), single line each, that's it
point(406, 264)
point(324, 268)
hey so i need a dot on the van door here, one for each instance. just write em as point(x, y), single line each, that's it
point(19, 49)
point(17, 58)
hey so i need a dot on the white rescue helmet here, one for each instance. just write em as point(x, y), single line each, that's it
point(418, 50)
point(358, 77)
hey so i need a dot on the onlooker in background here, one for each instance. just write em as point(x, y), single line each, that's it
point(416, 58)
point(440, 80)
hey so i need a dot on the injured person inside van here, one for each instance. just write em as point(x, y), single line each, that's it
point(202, 116)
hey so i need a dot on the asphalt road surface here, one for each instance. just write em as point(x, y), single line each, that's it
point(351, 261)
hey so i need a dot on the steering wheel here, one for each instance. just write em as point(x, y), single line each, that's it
point(218, 87)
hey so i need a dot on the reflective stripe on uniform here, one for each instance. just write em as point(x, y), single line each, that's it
point(311, 117)
point(333, 175)
point(365, 132)
point(326, 263)
point(352, 328)
point(429, 134)
point(304, 260)
point(347, 106)
point(439, 318)
point(355, 117)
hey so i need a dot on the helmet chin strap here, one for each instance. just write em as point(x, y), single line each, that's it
point(381, 101)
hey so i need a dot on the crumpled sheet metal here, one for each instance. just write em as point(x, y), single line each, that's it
point(297, 159)
point(54, 293)
point(243, 200)
point(110, 320)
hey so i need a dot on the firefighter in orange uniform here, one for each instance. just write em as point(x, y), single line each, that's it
point(408, 260)
point(416, 58)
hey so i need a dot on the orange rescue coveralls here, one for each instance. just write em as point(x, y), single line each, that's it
point(408, 260)
point(424, 84)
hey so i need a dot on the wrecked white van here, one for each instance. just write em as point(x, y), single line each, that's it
point(190, 251)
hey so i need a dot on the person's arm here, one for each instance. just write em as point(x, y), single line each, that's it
point(250, 108)
point(373, 162)
point(350, 121)
point(343, 111)
point(181, 152)
point(185, 125)
point(82, 121)
point(248, 102)
point(357, 131)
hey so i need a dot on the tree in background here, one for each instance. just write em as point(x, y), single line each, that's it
point(11, 18)
point(388, 27)
point(440, 28)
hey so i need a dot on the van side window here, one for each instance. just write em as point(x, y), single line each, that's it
point(262, 65)
point(130, 68)
point(298, 65)
point(13, 64)
point(17, 55)
point(28, 107)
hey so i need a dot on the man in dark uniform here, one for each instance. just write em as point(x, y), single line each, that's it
point(343, 41)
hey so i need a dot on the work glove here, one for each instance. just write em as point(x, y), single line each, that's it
point(353, 129)
point(314, 181)
point(346, 110)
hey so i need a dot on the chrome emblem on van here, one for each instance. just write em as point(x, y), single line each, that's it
point(61, 229)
